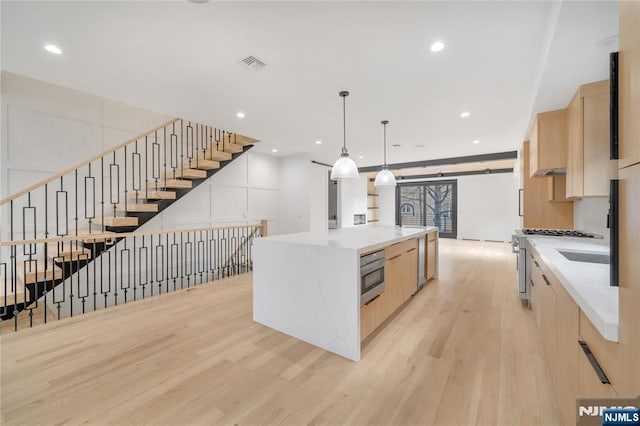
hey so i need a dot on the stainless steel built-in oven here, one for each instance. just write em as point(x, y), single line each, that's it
point(371, 276)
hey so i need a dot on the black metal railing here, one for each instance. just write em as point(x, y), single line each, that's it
point(113, 192)
point(102, 270)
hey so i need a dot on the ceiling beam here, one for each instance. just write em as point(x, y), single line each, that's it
point(446, 161)
point(453, 174)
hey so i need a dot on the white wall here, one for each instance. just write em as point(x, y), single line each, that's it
point(48, 128)
point(352, 199)
point(590, 214)
point(487, 206)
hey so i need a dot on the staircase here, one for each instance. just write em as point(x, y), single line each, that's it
point(62, 224)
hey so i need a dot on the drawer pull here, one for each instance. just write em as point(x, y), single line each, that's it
point(409, 251)
point(371, 301)
point(546, 280)
point(594, 363)
point(395, 257)
point(536, 262)
point(531, 281)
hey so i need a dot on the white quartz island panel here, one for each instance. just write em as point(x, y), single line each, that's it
point(307, 285)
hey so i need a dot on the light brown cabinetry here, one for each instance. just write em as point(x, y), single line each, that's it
point(401, 280)
point(629, 218)
point(628, 83)
point(629, 290)
point(431, 254)
point(588, 166)
point(548, 143)
point(561, 325)
point(536, 210)
point(557, 188)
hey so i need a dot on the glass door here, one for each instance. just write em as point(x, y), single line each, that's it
point(432, 203)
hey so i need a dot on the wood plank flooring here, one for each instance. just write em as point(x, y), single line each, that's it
point(463, 351)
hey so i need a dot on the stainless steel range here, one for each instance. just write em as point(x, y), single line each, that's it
point(520, 246)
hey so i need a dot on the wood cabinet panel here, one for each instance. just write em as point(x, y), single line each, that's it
point(588, 166)
point(629, 290)
point(557, 188)
point(409, 273)
point(567, 317)
point(400, 248)
point(548, 142)
point(629, 83)
point(589, 385)
point(606, 352)
point(537, 211)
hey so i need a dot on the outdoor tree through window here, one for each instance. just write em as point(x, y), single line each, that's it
point(428, 204)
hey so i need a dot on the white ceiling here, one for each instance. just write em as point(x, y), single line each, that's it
point(502, 61)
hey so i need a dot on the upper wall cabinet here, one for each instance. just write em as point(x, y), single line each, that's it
point(548, 139)
point(629, 83)
point(588, 166)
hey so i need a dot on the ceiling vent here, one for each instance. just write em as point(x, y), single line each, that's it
point(252, 63)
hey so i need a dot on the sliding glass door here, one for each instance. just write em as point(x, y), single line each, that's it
point(429, 204)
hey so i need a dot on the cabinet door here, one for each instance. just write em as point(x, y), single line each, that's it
point(371, 316)
point(574, 148)
point(549, 142)
point(410, 273)
point(548, 328)
point(394, 284)
point(628, 83)
point(629, 290)
point(589, 385)
point(567, 316)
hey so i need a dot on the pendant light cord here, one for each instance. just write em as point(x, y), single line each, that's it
point(344, 123)
point(385, 144)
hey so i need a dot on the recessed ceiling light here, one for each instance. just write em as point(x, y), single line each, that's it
point(240, 114)
point(360, 157)
point(318, 142)
point(465, 114)
point(476, 141)
point(274, 150)
point(437, 46)
point(52, 48)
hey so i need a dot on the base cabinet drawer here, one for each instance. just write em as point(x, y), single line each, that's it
point(590, 384)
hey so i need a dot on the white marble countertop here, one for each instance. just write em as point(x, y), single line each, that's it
point(361, 238)
point(587, 283)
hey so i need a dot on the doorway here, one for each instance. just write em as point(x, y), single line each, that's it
point(433, 203)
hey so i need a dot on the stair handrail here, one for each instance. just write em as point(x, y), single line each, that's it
point(84, 163)
point(262, 226)
point(263, 231)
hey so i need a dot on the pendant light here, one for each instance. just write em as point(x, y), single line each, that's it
point(345, 167)
point(384, 176)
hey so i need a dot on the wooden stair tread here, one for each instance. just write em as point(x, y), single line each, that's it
point(117, 221)
point(154, 195)
point(31, 272)
point(202, 164)
point(137, 207)
point(243, 140)
point(187, 173)
point(215, 155)
point(171, 183)
point(232, 148)
point(85, 236)
point(11, 296)
point(69, 253)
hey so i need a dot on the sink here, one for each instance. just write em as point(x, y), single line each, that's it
point(586, 256)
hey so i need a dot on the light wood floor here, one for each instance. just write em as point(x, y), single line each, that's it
point(464, 351)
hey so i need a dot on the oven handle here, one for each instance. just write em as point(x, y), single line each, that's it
point(367, 269)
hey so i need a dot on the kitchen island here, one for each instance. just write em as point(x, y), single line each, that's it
point(308, 286)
